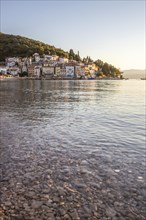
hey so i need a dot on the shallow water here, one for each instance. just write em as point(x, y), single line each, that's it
point(90, 132)
point(81, 114)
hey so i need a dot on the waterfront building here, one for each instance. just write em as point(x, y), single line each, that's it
point(57, 71)
point(14, 71)
point(63, 72)
point(36, 57)
point(78, 71)
point(37, 71)
point(29, 61)
point(3, 70)
point(11, 64)
point(30, 70)
point(47, 71)
point(24, 68)
point(70, 71)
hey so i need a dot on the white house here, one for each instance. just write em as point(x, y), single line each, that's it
point(12, 59)
point(10, 64)
point(70, 71)
point(82, 71)
point(63, 72)
point(52, 63)
point(47, 57)
point(3, 70)
point(57, 71)
point(78, 71)
point(29, 61)
point(55, 57)
point(47, 71)
point(37, 71)
point(36, 57)
point(24, 68)
point(92, 73)
point(14, 71)
point(63, 60)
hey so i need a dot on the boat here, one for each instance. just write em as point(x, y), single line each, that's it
point(91, 78)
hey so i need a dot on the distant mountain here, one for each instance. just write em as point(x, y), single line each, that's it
point(134, 73)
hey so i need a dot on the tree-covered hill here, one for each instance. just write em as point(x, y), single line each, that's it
point(15, 45)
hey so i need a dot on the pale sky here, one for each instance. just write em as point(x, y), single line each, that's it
point(113, 31)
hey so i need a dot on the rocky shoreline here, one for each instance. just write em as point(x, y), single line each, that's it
point(61, 185)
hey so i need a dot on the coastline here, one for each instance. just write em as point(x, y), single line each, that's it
point(55, 78)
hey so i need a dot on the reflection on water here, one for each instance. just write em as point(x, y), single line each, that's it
point(26, 92)
point(98, 111)
point(83, 113)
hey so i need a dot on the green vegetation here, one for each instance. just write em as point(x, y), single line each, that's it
point(87, 60)
point(107, 70)
point(17, 46)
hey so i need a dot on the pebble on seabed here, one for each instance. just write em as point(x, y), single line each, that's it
point(68, 187)
point(140, 177)
point(117, 171)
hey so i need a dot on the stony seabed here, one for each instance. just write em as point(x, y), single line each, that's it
point(54, 184)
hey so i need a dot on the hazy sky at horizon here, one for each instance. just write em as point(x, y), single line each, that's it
point(113, 31)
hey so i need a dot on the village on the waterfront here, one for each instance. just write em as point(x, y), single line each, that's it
point(51, 67)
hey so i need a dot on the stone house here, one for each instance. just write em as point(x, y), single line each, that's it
point(30, 70)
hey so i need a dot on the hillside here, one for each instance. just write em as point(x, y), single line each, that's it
point(15, 45)
point(134, 73)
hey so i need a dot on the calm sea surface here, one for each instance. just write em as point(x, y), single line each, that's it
point(79, 115)
point(100, 122)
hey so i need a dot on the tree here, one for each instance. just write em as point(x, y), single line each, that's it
point(99, 63)
point(77, 57)
point(71, 54)
point(106, 69)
